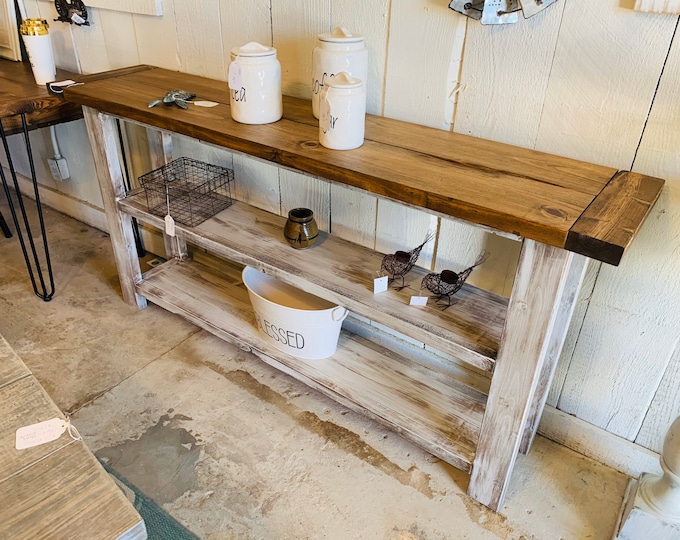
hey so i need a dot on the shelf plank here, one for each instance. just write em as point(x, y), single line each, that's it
point(343, 272)
point(425, 406)
point(513, 190)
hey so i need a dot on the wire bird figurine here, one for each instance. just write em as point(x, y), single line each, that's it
point(449, 282)
point(400, 263)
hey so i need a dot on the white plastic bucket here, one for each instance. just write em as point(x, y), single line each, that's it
point(293, 321)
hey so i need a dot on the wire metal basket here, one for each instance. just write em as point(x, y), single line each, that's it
point(189, 190)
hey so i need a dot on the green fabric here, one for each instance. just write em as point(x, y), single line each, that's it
point(159, 524)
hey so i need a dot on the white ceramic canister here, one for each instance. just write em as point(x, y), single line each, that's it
point(342, 112)
point(337, 51)
point(39, 48)
point(255, 84)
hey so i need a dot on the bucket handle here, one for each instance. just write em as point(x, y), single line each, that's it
point(343, 312)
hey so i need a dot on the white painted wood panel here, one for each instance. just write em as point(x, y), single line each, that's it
point(302, 191)
point(664, 409)
point(156, 38)
point(423, 62)
point(61, 35)
point(592, 271)
point(353, 215)
point(658, 6)
point(120, 39)
point(295, 26)
point(459, 246)
point(256, 182)
point(402, 228)
point(622, 353)
point(199, 43)
point(9, 34)
point(90, 43)
point(243, 22)
point(658, 155)
point(369, 18)
point(606, 67)
point(143, 7)
point(505, 74)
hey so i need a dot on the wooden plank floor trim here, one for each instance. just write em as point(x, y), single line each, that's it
point(610, 223)
point(425, 406)
point(343, 272)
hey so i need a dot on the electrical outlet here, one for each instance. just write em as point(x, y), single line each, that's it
point(59, 169)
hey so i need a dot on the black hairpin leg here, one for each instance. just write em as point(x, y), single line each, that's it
point(5, 227)
point(33, 266)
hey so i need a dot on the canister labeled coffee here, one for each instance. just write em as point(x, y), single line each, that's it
point(335, 52)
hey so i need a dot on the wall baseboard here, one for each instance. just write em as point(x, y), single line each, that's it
point(597, 443)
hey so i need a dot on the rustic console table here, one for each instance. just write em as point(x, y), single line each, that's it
point(563, 210)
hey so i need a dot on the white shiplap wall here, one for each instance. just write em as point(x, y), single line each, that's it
point(589, 80)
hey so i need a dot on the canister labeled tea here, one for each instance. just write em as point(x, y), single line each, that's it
point(255, 84)
point(335, 52)
point(36, 37)
point(342, 109)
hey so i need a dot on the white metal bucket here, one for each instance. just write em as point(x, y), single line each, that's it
point(292, 320)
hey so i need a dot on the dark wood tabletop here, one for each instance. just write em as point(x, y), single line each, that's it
point(583, 207)
point(20, 94)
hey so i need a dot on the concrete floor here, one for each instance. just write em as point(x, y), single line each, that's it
point(234, 449)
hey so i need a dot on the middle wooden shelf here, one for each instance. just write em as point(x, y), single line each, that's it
point(343, 272)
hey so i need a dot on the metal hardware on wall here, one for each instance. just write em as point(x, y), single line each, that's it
point(531, 7)
point(73, 12)
point(499, 11)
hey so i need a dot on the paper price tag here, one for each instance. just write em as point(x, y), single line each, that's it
point(235, 75)
point(205, 103)
point(379, 285)
point(418, 300)
point(325, 115)
point(40, 433)
point(77, 19)
point(169, 225)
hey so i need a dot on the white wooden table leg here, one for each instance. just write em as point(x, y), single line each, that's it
point(160, 150)
point(103, 139)
point(542, 275)
point(558, 334)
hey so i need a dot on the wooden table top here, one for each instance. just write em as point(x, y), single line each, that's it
point(586, 208)
point(19, 93)
point(57, 489)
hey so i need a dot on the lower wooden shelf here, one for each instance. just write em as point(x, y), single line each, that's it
point(428, 407)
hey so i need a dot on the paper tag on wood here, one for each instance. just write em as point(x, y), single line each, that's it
point(169, 225)
point(205, 103)
point(418, 300)
point(380, 284)
point(40, 433)
point(235, 75)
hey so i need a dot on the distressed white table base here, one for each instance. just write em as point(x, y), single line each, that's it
point(540, 307)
